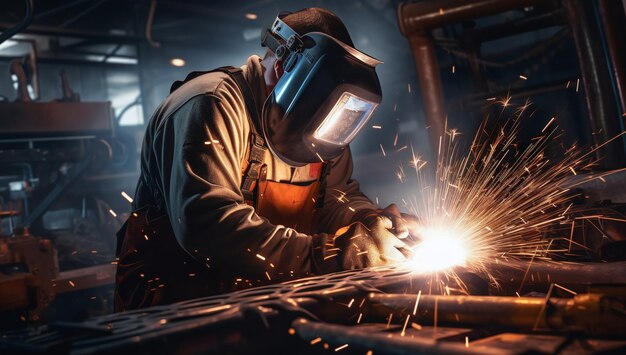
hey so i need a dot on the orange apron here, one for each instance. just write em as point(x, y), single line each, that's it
point(287, 204)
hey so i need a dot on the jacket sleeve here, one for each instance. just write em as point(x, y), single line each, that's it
point(344, 202)
point(200, 152)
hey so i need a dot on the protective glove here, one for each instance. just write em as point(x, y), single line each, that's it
point(402, 225)
point(370, 242)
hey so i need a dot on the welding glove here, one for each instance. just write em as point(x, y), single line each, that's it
point(368, 243)
point(402, 225)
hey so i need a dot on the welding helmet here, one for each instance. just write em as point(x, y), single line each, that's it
point(327, 93)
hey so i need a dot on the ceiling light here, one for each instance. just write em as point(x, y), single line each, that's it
point(177, 62)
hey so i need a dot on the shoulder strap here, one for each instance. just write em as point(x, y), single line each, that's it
point(256, 152)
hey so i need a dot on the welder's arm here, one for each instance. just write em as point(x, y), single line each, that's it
point(345, 205)
point(344, 202)
point(207, 211)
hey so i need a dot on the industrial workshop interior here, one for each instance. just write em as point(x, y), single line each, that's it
point(312, 176)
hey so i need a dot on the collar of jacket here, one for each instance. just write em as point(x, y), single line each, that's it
point(253, 73)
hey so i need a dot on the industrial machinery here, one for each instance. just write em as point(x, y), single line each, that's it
point(56, 236)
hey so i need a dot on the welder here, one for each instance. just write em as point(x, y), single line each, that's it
point(246, 172)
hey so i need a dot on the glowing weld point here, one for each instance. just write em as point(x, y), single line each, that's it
point(440, 249)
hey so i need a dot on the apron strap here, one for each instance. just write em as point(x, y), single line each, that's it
point(321, 194)
point(255, 160)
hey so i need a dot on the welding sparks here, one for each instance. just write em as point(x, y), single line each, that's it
point(341, 347)
point(417, 301)
point(406, 322)
point(126, 197)
point(494, 202)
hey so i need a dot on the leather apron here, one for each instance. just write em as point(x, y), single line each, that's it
point(288, 204)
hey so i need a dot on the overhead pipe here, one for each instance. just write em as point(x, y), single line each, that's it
point(415, 21)
point(613, 19)
point(603, 114)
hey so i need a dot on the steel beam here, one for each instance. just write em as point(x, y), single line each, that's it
point(603, 115)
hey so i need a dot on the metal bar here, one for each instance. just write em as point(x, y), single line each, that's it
point(603, 115)
point(59, 8)
point(84, 278)
point(426, 15)
point(381, 342)
point(613, 19)
point(21, 26)
point(562, 272)
point(76, 171)
point(595, 314)
point(515, 27)
point(82, 13)
point(55, 31)
point(430, 85)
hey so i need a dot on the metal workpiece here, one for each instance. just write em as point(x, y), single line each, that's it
point(592, 314)
point(537, 273)
point(366, 337)
point(335, 307)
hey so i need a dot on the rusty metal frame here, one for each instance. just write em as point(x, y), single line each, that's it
point(417, 19)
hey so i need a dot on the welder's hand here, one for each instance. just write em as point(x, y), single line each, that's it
point(402, 224)
point(363, 245)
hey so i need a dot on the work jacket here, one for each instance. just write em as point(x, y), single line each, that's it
point(191, 232)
